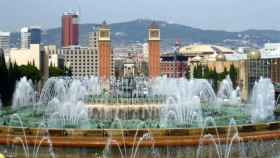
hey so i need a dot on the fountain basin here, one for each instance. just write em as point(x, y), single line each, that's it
point(125, 137)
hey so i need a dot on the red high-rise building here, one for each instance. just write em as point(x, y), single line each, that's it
point(154, 51)
point(105, 51)
point(70, 29)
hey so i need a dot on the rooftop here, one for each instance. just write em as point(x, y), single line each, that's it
point(4, 33)
point(200, 49)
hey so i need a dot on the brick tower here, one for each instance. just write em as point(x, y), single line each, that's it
point(105, 51)
point(154, 50)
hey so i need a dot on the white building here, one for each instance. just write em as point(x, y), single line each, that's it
point(30, 35)
point(25, 37)
point(271, 48)
point(93, 39)
point(244, 50)
point(33, 55)
point(4, 40)
point(146, 51)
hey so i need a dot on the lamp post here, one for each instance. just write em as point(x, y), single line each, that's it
point(176, 52)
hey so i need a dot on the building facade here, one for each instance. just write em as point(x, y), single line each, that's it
point(267, 68)
point(35, 33)
point(55, 59)
point(83, 61)
point(271, 48)
point(93, 39)
point(70, 29)
point(154, 50)
point(175, 66)
point(36, 55)
point(4, 40)
point(30, 35)
point(25, 38)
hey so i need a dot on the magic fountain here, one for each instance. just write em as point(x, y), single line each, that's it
point(137, 117)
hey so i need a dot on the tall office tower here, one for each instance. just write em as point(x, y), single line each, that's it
point(70, 29)
point(35, 33)
point(93, 39)
point(4, 40)
point(154, 50)
point(30, 35)
point(105, 52)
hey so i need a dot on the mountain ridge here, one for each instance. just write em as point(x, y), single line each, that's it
point(136, 31)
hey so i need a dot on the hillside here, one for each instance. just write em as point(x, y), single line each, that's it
point(136, 31)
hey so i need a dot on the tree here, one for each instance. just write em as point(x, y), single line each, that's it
point(188, 73)
point(3, 79)
point(54, 71)
point(31, 72)
point(68, 71)
point(197, 72)
point(233, 72)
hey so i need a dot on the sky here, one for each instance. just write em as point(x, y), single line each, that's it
point(230, 15)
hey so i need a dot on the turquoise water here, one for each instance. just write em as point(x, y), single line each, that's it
point(36, 117)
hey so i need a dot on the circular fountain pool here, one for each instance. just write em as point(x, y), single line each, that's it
point(136, 103)
point(139, 118)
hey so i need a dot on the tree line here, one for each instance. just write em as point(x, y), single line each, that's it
point(201, 71)
point(10, 73)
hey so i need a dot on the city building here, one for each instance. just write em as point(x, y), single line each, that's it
point(83, 61)
point(129, 67)
point(70, 29)
point(126, 56)
point(30, 35)
point(36, 55)
point(174, 65)
point(259, 65)
point(4, 40)
point(251, 66)
point(244, 50)
point(270, 50)
point(55, 59)
point(154, 50)
point(204, 51)
point(25, 37)
point(105, 52)
point(132, 51)
point(93, 39)
point(35, 33)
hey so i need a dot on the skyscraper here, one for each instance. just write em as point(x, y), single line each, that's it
point(154, 50)
point(35, 34)
point(70, 29)
point(30, 35)
point(4, 40)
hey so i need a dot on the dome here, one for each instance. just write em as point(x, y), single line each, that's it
point(196, 58)
point(253, 55)
point(220, 57)
point(204, 49)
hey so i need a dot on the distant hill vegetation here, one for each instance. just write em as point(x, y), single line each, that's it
point(136, 31)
